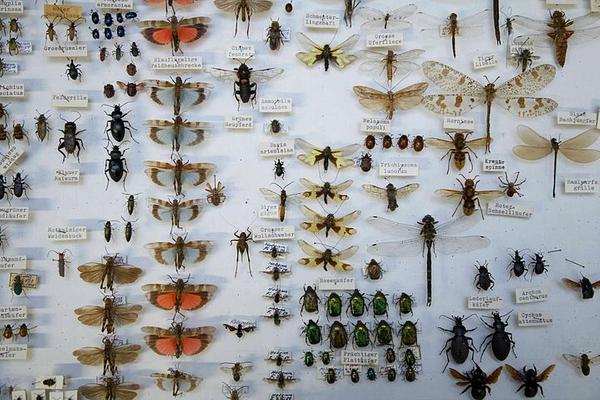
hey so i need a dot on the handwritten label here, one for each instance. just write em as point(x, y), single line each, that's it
point(273, 266)
point(65, 50)
point(115, 4)
point(334, 283)
point(484, 302)
point(62, 233)
point(398, 168)
point(71, 12)
point(376, 125)
point(40, 393)
point(58, 380)
point(358, 357)
point(11, 7)
point(281, 396)
point(535, 318)
point(494, 164)
point(509, 210)
point(286, 232)
point(69, 100)
point(71, 394)
point(13, 262)
point(238, 121)
point(268, 211)
point(280, 311)
point(531, 295)
point(462, 123)
point(24, 47)
point(385, 39)
point(577, 118)
point(276, 149)
point(62, 175)
point(282, 249)
point(245, 323)
point(275, 104)
point(29, 281)
point(14, 213)
point(11, 67)
point(240, 51)
point(321, 20)
point(271, 292)
point(7, 160)
point(485, 61)
point(13, 312)
point(187, 63)
point(581, 185)
point(12, 90)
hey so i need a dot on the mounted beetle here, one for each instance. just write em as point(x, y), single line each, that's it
point(73, 71)
point(62, 260)
point(130, 204)
point(70, 142)
point(128, 230)
point(484, 279)
point(102, 52)
point(361, 336)
point(17, 285)
point(72, 29)
point(333, 305)
point(330, 376)
point(365, 162)
point(390, 373)
point(19, 132)
point(371, 374)
point(380, 304)
point(134, 50)
point(338, 336)
point(4, 189)
point(390, 355)
point(117, 125)
point(405, 303)
point(309, 300)
point(409, 366)
point(517, 265)
point(131, 69)
point(529, 379)
point(107, 229)
point(325, 357)
point(538, 265)
point(118, 51)
point(384, 334)
point(131, 88)
point(42, 127)
point(478, 381)
point(4, 134)
point(312, 332)
point(408, 333)
point(309, 358)
point(115, 166)
point(373, 270)
point(19, 186)
point(279, 169)
point(459, 345)
point(357, 304)
point(500, 339)
point(354, 375)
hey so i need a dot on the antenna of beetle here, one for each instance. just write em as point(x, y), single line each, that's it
point(576, 263)
point(75, 120)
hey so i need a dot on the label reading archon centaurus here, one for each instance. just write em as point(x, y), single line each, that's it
point(461, 123)
point(344, 283)
point(385, 39)
point(268, 211)
point(276, 149)
point(531, 295)
point(494, 164)
point(65, 50)
point(577, 118)
point(66, 175)
point(509, 210)
point(286, 232)
point(359, 357)
point(63, 100)
point(10, 158)
point(482, 302)
point(177, 62)
point(398, 168)
point(321, 20)
point(581, 185)
point(14, 213)
point(238, 122)
point(376, 125)
point(13, 312)
point(13, 262)
point(61, 233)
point(68, 12)
point(11, 7)
point(115, 4)
point(240, 51)
point(485, 61)
point(12, 90)
point(275, 104)
point(534, 318)
point(13, 352)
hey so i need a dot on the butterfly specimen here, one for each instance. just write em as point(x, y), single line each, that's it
point(337, 157)
point(537, 147)
point(180, 382)
point(108, 356)
point(559, 31)
point(244, 9)
point(177, 252)
point(178, 173)
point(327, 190)
point(179, 92)
point(178, 340)
point(469, 195)
point(393, 19)
point(109, 272)
point(175, 210)
point(179, 295)
point(173, 31)
point(170, 3)
point(390, 101)
point(327, 53)
point(326, 257)
point(454, 26)
point(109, 315)
point(458, 148)
point(391, 63)
point(390, 193)
point(109, 389)
point(466, 93)
point(282, 198)
point(329, 222)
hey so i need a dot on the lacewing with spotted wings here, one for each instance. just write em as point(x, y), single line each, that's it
point(109, 356)
point(329, 222)
point(179, 295)
point(178, 91)
point(391, 101)
point(109, 389)
point(174, 31)
point(243, 9)
point(177, 132)
point(326, 257)
point(336, 156)
point(178, 173)
point(179, 251)
point(109, 315)
point(109, 272)
point(328, 54)
point(178, 340)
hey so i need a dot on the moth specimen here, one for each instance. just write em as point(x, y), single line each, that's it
point(329, 222)
point(109, 389)
point(109, 356)
point(179, 251)
point(392, 19)
point(390, 193)
point(109, 272)
point(109, 315)
point(174, 31)
point(178, 340)
point(326, 257)
point(327, 190)
point(391, 101)
point(243, 9)
point(179, 295)
point(327, 53)
point(178, 173)
point(179, 92)
point(390, 63)
point(336, 156)
point(180, 382)
point(175, 210)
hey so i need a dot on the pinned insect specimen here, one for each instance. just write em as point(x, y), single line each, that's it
point(391, 101)
point(329, 222)
point(392, 19)
point(335, 54)
point(336, 156)
point(277, 314)
point(501, 340)
point(326, 257)
point(170, 3)
point(582, 362)
point(178, 340)
point(115, 166)
point(240, 327)
point(235, 392)
point(109, 315)
point(179, 295)
point(243, 9)
point(530, 379)
point(310, 300)
point(275, 35)
point(365, 162)
point(216, 192)
point(179, 251)
point(236, 368)
point(73, 71)
point(175, 209)
point(559, 32)
point(180, 382)
point(174, 31)
point(390, 193)
point(511, 187)
point(109, 272)
point(117, 126)
point(131, 88)
point(466, 93)
point(178, 173)
point(109, 389)
point(537, 147)
point(281, 378)
point(241, 246)
point(109, 355)
point(327, 190)
point(458, 147)
point(108, 90)
point(390, 63)
point(426, 234)
point(483, 279)
point(281, 198)
point(179, 92)
point(469, 195)
point(584, 284)
point(478, 381)
point(61, 260)
point(459, 345)
point(522, 56)
point(177, 132)
point(496, 19)
point(4, 112)
point(279, 169)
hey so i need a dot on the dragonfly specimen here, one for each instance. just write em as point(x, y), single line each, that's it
point(392, 19)
point(390, 193)
point(108, 356)
point(336, 156)
point(180, 382)
point(178, 340)
point(326, 257)
point(466, 93)
point(390, 101)
point(109, 389)
point(177, 132)
point(391, 63)
point(426, 234)
point(178, 173)
point(179, 92)
point(282, 198)
point(109, 272)
point(329, 222)
point(175, 210)
point(244, 9)
point(536, 147)
point(559, 31)
point(458, 148)
point(109, 315)
point(335, 54)
point(174, 31)
point(179, 250)
point(469, 195)
point(179, 295)
point(327, 190)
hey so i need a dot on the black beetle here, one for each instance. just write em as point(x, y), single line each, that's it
point(478, 381)
point(279, 169)
point(102, 52)
point(120, 31)
point(538, 264)
point(119, 17)
point(130, 203)
point(128, 231)
point(483, 279)
point(500, 339)
point(370, 142)
point(108, 33)
point(19, 185)
point(4, 190)
point(107, 230)
point(116, 165)
point(354, 375)
point(108, 19)
point(118, 51)
point(73, 71)
point(70, 142)
point(95, 33)
point(130, 15)
point(460, 344)
point(42, 128)
point(131, 69)
point(117, 126)
point(530, 379)
point(517, 265)
point(134, 50)
point(95, 17)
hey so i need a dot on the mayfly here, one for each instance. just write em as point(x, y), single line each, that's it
point(327, 190)
point(327, 53)
point(329, 222)
point(179, 92)
point(109, 272)
point(336, 156)
point(180, 382)
point(391, 101)
point(244, 9)
point(536, 147)
point(390, 193)
point(326, 257)
point(426, 234)
point(390, 63)
point(179, 251)
point(392, 19)
point(174, 31)
point(109, 315)
point(179, 295)
point(466, 93)
point(458, 148)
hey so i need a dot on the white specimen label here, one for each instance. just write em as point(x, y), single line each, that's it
point(61, 233)
point(14, 213)
point(8, 159)
point(267, 247)
point(485, 61)
point(286, 232)
point(59, 382)
point(385, 39)
point(276, 149)
point(509, 210)
point(65, 50)
point(240, 51)
point(272, 292)
point(531, 295)
point(62, 175)
point(13, 352)
point(13, 262)
point(342, 283)
point(268, 211)
point(282, 396)
point(359, 357)
point(321, 20)
point(177, 63)
point(274, 265)
point(64, 100)
point(581, 185)
point(11, 7)
point(11, 68)
point(482, 302)
point(534, 318)
point(376, 125)
point(275, 104)
point(576, 118)
point(237, 121)
point(29, 281)
point(115, 4)
point(70, 12)
point(494, 164)
point(13, 312)
point(398, 168)
point(462, 123)
point(12, 90)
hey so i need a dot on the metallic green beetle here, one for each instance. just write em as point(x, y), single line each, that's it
point(371, 374)
point(333, 305)
point(405, 303)
point(360, 335)
point(330, 376)
point(325, 357)
point(357, 304)
point(309, 359)
point(380, 304)
point(408, 333)
point(313, 332)
point(384, 334)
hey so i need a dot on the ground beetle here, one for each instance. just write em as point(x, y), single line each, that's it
point(115, 166)
point(517, 265)
point(117, 125)
point(459, 344)
point(70, 142)
point(501, 340)
point(538, 265)
point(483, 279)
point(19, 185)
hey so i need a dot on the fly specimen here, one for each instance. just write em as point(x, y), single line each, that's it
point(282, 198)
point(179, 295)
point(427, 234)
point(327, 190)
point(178, 340)
point(109, 355)
point(391, 101)
point(180, 382)
point(109, 315)
point(329, 54)
point(178, 173)
point(179, 251)
point(240, 327)
point(236, 368)
point(396, 19)
point(559, 32)
point(243, 9)
point(109, 389)
point(390, 193)
point(180, 92)
point(234, 392)
point(466, 93)
point(478, 381)
point(175, 209)
point(529, 378)
point(537, 147)
point(582, 362)
point(391, 63)
point(109, 272)
point(326, 257)
point(469, 195)
point(174, 31)
point(458, 147)
point(584, 285)
point(329, 222)
point(336, 156)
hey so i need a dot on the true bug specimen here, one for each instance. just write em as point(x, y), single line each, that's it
point(181, 382)
point(178, 340)
point(582, 362)
point(109, 355)
point(179, 295)
point(134, 50)
point(131, 88)
point(279, 169)
point(234, 393)
point(478, 381)
point(19, 131)
point(538, 265)
point(109, 389)
point(511, 187)
point(62, 260)
point(179, 251)
point(216, 192)
point(70, 142)
point(458, 147)
point(338, 157)
point(73, 71)
point(529, 378)
point(373, 270)
point(360, 335)
point(326, 257)
point(42, 126)
point(365, 162)
point(243, 9)
point(117, 125)
point(390, 193)
point(108, 90)
point(109, 272)
point(131, 69)
point(459, 345)
point(483, 280)
point(309, 300)
point(275, 35)
point(517, 265)
point(241, 246)
point(501, 340)
point(236, 368)
point(116, 165)
point(240, 328)
point(173, 31)
point(584, 284)
point(469, 195)
point(109, 315)
point(19, 185)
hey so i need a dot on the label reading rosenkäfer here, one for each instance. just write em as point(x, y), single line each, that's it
point(581, 185)
point(62, 175)
point(321, 20)
point(11, 7)
point(531, 295)
point(240, 51)
point(577, 118)
point(268, 211)
point(398, 168)
point(275, 104)
point(276, 149)
point(534, 318)
point(14, 213)
point(376, 125)
point(509, 210)
point(8, 159)
point(65, 50)
point(12, 90)
point(13, 312)
point(63, 100)
point(286, 232)
point(177, 63)
point(462, 123)
point(62, 233)
point(360, 357)
point(335, 283)
point(482, 302)
point(494, 164)
point(485, 61)
point(385, 39)
point(237, 121)
point(115, 4)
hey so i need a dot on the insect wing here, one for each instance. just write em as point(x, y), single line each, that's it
point(397, 18)
point(493, 377)
point(197, 250)
point(271, 195)
point(262, 75)
point(92, 272)
point(340, 155)
point(571, 284)
point(574, 150)
point(375, 190)
point(338, 53)
point(452, 80)
point(125, 314)
point(315, 51)
point(443, 143)
point(224, 74)
point(163, 252)
point(575, 360)
point(196, 173)
point(528, 82)
point(530, 23)
point(514, 373)
point(410, 96)
point(489, 194)
point(337, 264)
point(191, 29)
point(372, 99)
point(90, 315)
point(228, 5)
point(89, 355)
point(460, 244)
point(94, 391)
point(395, 228)
point(546, 373)
point(161, 173)
point(535, 147)
point(312, 152)
point(309, 249)
point(457, 375)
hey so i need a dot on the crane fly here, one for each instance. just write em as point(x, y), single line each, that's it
point(326, 257)
point(469, 195)
point(391, 63)
point(392, 19)
point(179, 295)
point(108, 315)
point(181, 382)
point(426, 234)
point(329, 222)
point(327, 190)
point(391, 101)
point(178, 340)
point(243, 9)
point(109, 389)
point(390, 193)
point(466, 93)
point(338, 157)
point(458, 148)
point(536, 147)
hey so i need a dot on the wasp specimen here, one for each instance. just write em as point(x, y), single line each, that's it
point(530, 379)
point(459, 148)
